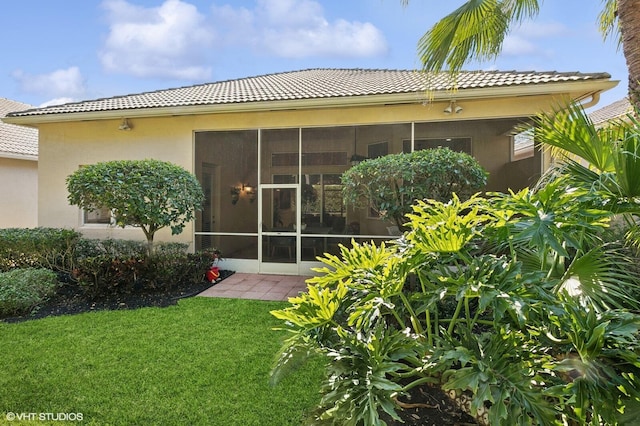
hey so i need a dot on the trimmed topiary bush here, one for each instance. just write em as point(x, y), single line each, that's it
point(22, 290)
point(149, 194)
point(391, 184)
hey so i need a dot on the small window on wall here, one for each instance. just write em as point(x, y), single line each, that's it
point(97, 217)
point(101, 216)
point(522, 145)
point(454, 144)
point(376, 150)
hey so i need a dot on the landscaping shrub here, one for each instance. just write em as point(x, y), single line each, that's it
point(149, 194)
point(514, 305)
point(103, 267)
point(22, 290)
point(107, 274)
point(50, 248)
point(391, 184)
point(123, 248)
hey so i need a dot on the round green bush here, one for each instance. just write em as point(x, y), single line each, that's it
point(22, 290)
point(391, 184)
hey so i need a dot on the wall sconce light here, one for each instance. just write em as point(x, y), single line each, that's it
point(124, 125)
point(244, 188)
point(250, 191)
point(453, 107)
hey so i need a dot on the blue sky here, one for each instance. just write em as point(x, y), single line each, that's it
point(60, 51)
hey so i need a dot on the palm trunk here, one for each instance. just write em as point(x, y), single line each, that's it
point(629, 16)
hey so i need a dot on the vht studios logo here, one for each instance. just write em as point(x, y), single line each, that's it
point(51, 417)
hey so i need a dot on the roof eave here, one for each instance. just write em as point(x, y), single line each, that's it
point(582, 89)
point(16, 156)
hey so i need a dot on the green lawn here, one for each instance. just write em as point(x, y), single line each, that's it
point(204, 361)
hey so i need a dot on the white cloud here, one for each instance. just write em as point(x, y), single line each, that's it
point(298, 28)
point(166, 41)
point(57, 101)
point(532, 39)
point(67, 83)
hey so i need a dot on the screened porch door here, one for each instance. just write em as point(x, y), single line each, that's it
point(279, 236)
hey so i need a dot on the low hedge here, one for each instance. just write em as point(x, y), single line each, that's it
point(22, 290)
point(102, 266)
point(50, 248)
point(106, 274)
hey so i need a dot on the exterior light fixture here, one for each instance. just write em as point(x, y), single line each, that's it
point(247, 189)
point(124, 125)
point(453, 107)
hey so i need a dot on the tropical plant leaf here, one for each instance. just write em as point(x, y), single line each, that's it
point(601, 279)
point(474, 31)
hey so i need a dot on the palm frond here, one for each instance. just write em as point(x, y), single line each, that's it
point(609, 25)
point(601, 278)
point(570, 131)
point(627, 159)
point(476, 30)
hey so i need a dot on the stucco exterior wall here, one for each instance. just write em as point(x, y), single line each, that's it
point(65, 146)
point(19, 193)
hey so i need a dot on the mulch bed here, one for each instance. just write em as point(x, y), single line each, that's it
point(431, 406)
point(72, 299)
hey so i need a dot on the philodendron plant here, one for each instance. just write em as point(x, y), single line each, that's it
point(514, 305)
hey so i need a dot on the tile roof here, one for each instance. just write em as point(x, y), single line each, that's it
point(617, 109)
point(16, 140)
point(313, 84)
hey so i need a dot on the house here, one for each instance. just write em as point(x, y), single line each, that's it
point(269, 150)
point(617, 110)
point(18, 171)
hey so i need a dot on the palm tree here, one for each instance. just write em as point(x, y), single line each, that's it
point(477, 29)
point(602, 160)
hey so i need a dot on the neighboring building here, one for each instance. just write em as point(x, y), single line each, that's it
point(269, 150)
point(614, 111)
point(18, 171)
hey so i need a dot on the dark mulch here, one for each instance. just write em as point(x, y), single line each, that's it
point(73, 299)
point(430, 405)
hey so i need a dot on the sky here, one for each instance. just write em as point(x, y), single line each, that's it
point(59, 51)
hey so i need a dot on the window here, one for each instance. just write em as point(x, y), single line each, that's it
point(454, 144)
point(522, 145)
point(376, 150)
point(322, 202)
point(101, 216)
point(331, 158)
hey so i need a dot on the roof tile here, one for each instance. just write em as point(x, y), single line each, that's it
point(16, 140)
point(617, 109)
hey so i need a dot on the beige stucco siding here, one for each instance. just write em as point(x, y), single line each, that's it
point(18, 193)
point(66, 146)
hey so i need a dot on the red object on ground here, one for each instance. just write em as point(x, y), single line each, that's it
point(213, 274)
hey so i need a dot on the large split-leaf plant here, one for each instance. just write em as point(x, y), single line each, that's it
point(514, 304)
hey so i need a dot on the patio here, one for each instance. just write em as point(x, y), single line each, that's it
point(258, 287)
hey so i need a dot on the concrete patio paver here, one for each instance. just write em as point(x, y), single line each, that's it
point(243, 285)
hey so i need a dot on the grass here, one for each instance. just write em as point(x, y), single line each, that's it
point(204, 361)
